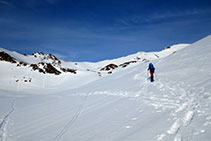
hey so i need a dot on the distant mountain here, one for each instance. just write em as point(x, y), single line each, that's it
point(48, 63)
point(31, 69)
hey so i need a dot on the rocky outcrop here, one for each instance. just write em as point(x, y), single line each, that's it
point(21, 64)
point(50, 57)
point(127, 63)
point(45, 68)
point(6, 57)
point(168, 47)
point(50, 69)
point(68, 70)
point(109, 67)
point(52, 66)
point(36, 67)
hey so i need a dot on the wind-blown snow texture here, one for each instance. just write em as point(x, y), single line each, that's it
point(120, 106)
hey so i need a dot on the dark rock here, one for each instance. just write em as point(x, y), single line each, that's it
point(47, 68)
point(21, 64)
point(51, 56)
point(156, 55)
point(110, 72)
point(68, 70)
point(41, 63)
point(168, 47)
point(6, 57)
point(99, 74)
point(127, 63)
point(50, 69)
point(109, 67)
point(35, 67)
point(137, 58)
point(40, 53)
point(145, 60)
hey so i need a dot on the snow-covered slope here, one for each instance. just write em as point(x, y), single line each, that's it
point(35, 71)
point(122, 105)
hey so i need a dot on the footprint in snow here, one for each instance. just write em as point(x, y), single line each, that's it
point(127, 127)
point(175, 127)
point(134, 118)
point(188, 118)
point(200, 131)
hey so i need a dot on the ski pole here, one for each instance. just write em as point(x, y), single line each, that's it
point(156, 76)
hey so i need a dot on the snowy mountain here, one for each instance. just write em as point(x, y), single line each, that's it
point(108, 100)
point(32, 71)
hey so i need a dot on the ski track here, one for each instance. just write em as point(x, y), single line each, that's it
point(173, 95)
point(188, 106)
point(72, 121)
point(5, 121)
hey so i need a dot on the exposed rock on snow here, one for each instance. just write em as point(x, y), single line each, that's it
point(50, 69)
point(109, 67)
point(6, 57)
point(127, 63)
point(35, 67)
point(68, 70)
point(45, 68)
point(21, 64)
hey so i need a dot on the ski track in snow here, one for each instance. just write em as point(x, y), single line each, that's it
point(174, 95)
point(188, 105)
point(72, 121)
point(5, 121)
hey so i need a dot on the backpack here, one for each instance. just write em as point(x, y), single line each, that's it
point(151, 67)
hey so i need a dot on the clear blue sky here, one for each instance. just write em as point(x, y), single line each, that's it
point(94, 30)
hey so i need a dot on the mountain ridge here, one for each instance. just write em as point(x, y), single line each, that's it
point(38, 58)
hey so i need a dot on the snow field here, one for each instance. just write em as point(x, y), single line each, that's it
point(123, 106)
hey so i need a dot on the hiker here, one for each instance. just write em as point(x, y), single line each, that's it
point(152, 70)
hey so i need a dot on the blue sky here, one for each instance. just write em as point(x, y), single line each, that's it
point(95, 30)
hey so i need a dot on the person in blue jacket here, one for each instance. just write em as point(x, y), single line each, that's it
point(151, 68)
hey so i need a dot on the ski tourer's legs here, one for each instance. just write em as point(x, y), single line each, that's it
point(151, 76)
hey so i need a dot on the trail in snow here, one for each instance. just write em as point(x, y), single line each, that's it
point(189, 103)
point(72, 121)
point(4, 122)
point(185, 102)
